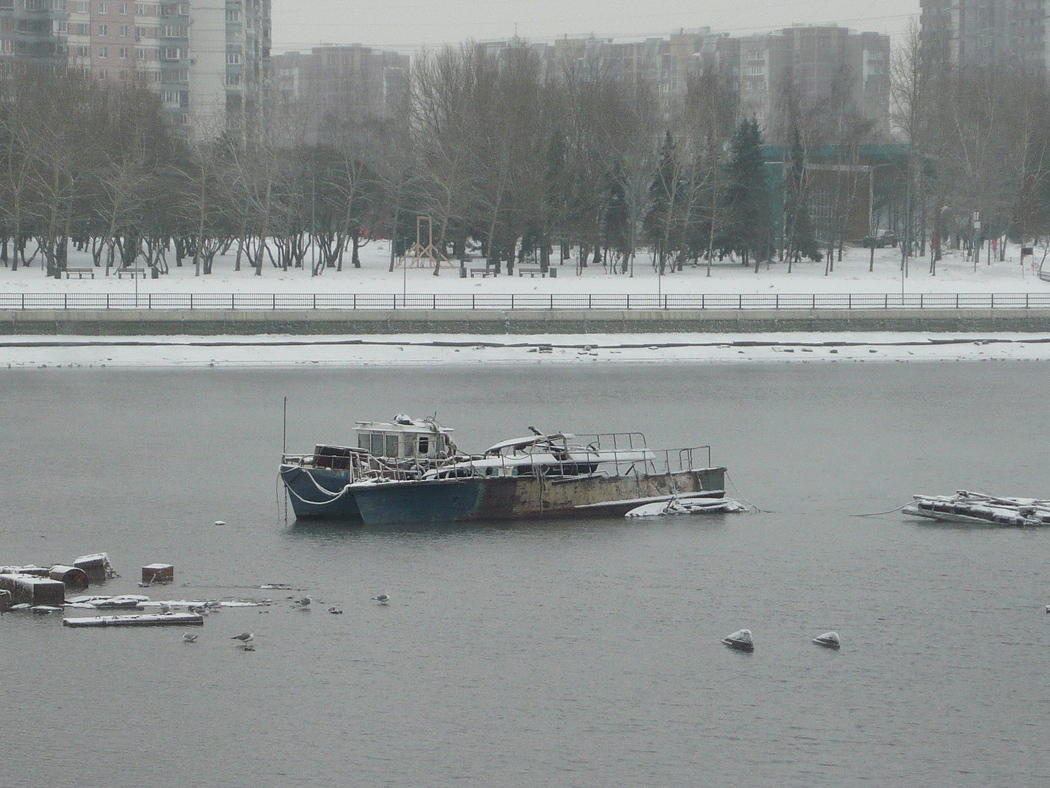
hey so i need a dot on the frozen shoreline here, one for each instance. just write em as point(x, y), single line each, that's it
point(38, 352)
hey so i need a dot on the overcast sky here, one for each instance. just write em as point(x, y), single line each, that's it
point(411, 24)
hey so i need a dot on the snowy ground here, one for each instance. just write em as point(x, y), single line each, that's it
point(954, 275)
point(416, 350)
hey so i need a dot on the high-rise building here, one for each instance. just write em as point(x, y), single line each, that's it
point(356, 79)
point(808, 62)
point(988, 32)
point(762, 68)
point(206, 59)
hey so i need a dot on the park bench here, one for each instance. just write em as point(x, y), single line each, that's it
point(79, 272)
point(530, 270)
point(488, 269)
point(132, 272)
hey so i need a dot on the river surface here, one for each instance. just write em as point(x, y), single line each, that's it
point(562, 654)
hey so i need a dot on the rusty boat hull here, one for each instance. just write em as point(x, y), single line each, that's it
point(479, 499)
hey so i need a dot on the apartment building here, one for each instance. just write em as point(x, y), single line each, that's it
point(206, 59)
point(355, 78)
point(988, 32)
point(807, 62)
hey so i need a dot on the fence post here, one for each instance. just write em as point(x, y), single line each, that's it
point(512, 301)
point(887, 303)
point(473, 301)
point(993, 300)
point(956, 300)
point(1026, 300)
point(149, 301)
point(65, 300)
point(921, 300)
point(740, 301)
point(315, 301)
point(589, 301)
point(776, 302)
point(552, 301)
point(191, 301)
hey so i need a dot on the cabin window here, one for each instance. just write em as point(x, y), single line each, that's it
point(364, 441)
point(391, 445)
point(424, 445)
point(377, 444)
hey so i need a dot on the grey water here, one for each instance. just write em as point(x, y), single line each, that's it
point(561, 654)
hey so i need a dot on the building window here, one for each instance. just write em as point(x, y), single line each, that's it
point(103, 30)
point(103, 51)
point(233, 15)
point(102, 8)
point(124, 8)
point(124, 53)
point(233, 58)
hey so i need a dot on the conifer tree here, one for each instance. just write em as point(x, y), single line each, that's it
point(749, 203)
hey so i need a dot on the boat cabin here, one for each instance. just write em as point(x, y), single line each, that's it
point(405, 439)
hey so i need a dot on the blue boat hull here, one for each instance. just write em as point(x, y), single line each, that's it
point(320, 493)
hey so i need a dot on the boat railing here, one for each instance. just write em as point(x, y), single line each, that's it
point(614, 454)
point(695, 458)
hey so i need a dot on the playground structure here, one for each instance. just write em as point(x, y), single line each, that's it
point(422, 255)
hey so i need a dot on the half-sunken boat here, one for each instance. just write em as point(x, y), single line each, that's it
point(537, 476)
point(979, 509)
point(319, 484)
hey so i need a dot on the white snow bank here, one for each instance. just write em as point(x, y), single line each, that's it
point(426, 350)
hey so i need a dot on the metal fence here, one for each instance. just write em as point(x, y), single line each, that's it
point(533, 301)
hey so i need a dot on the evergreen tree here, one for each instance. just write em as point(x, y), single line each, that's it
point(748, 196)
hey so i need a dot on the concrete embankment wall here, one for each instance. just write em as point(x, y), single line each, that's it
point(115, 322)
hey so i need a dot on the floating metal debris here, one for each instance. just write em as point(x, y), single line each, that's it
point(153, 574)
point(144, 620)
point(828, 640)
point(980, 509)
point(740, 640)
